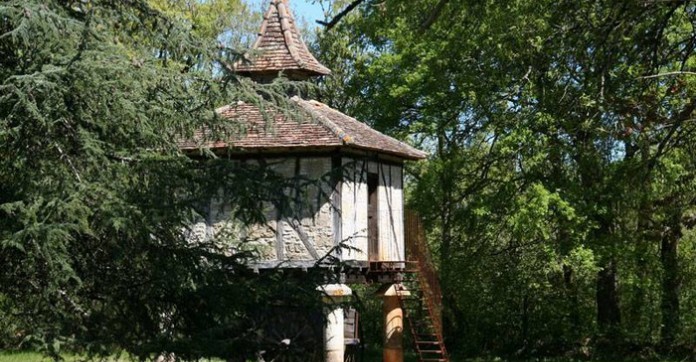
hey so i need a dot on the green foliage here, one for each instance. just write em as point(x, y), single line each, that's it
point(230, 22)
point(561, 176)
point(97, 200)
point(207, 19)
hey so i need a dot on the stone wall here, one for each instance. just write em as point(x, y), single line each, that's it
point(313, 217)
point(302, 232)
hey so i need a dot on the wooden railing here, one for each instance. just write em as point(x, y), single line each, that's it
point(417, 250)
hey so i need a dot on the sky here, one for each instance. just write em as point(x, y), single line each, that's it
point(307, 11)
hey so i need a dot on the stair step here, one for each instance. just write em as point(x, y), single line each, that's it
point(420, 311)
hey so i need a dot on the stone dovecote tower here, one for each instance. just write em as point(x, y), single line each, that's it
point(363, 208)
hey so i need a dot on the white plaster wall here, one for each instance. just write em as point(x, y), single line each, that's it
point(354, 209)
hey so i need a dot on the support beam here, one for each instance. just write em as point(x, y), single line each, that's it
point(280, 244)
point(304, 237)
point(334, 344)
point(337, 183)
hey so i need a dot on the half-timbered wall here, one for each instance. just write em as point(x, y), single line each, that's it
point(314, 225)
point(307, 233)
point(304, 232)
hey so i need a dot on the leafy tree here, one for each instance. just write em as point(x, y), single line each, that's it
point(561, 136)
point(230, 22)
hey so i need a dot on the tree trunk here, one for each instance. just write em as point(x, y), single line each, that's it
point(644, 240)
point(445, 180)
point(671, 281)
point(564, 240)
point(608, 313)
point(591, 177)
point(574, 307)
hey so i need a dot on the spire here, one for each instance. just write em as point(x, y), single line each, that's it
point(279, 47)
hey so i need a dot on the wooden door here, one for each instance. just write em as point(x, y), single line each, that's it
point(372, 217)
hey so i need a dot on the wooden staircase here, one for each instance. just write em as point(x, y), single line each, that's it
point(422, 305)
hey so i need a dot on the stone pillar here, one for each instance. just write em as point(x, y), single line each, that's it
point(334, 344)
point(393, 323)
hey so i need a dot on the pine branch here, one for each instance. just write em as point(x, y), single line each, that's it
point(667, 74)
point(70, 163)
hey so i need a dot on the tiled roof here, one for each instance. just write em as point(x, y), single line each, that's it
point(357, 134)
point(279, 46)
point(326, 128)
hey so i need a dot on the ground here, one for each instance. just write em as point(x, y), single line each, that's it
point(370, 357)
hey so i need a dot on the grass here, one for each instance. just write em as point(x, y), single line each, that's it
point(28, 356)
point(21, 357)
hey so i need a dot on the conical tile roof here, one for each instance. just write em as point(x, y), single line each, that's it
point(279, 47)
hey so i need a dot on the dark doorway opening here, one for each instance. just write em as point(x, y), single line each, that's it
point(372, 217)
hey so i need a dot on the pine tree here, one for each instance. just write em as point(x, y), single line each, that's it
point(96, 197)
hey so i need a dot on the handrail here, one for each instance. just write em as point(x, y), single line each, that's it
point(417, 250)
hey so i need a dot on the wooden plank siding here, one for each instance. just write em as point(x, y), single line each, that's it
point(390, 202)
point(354, 208)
